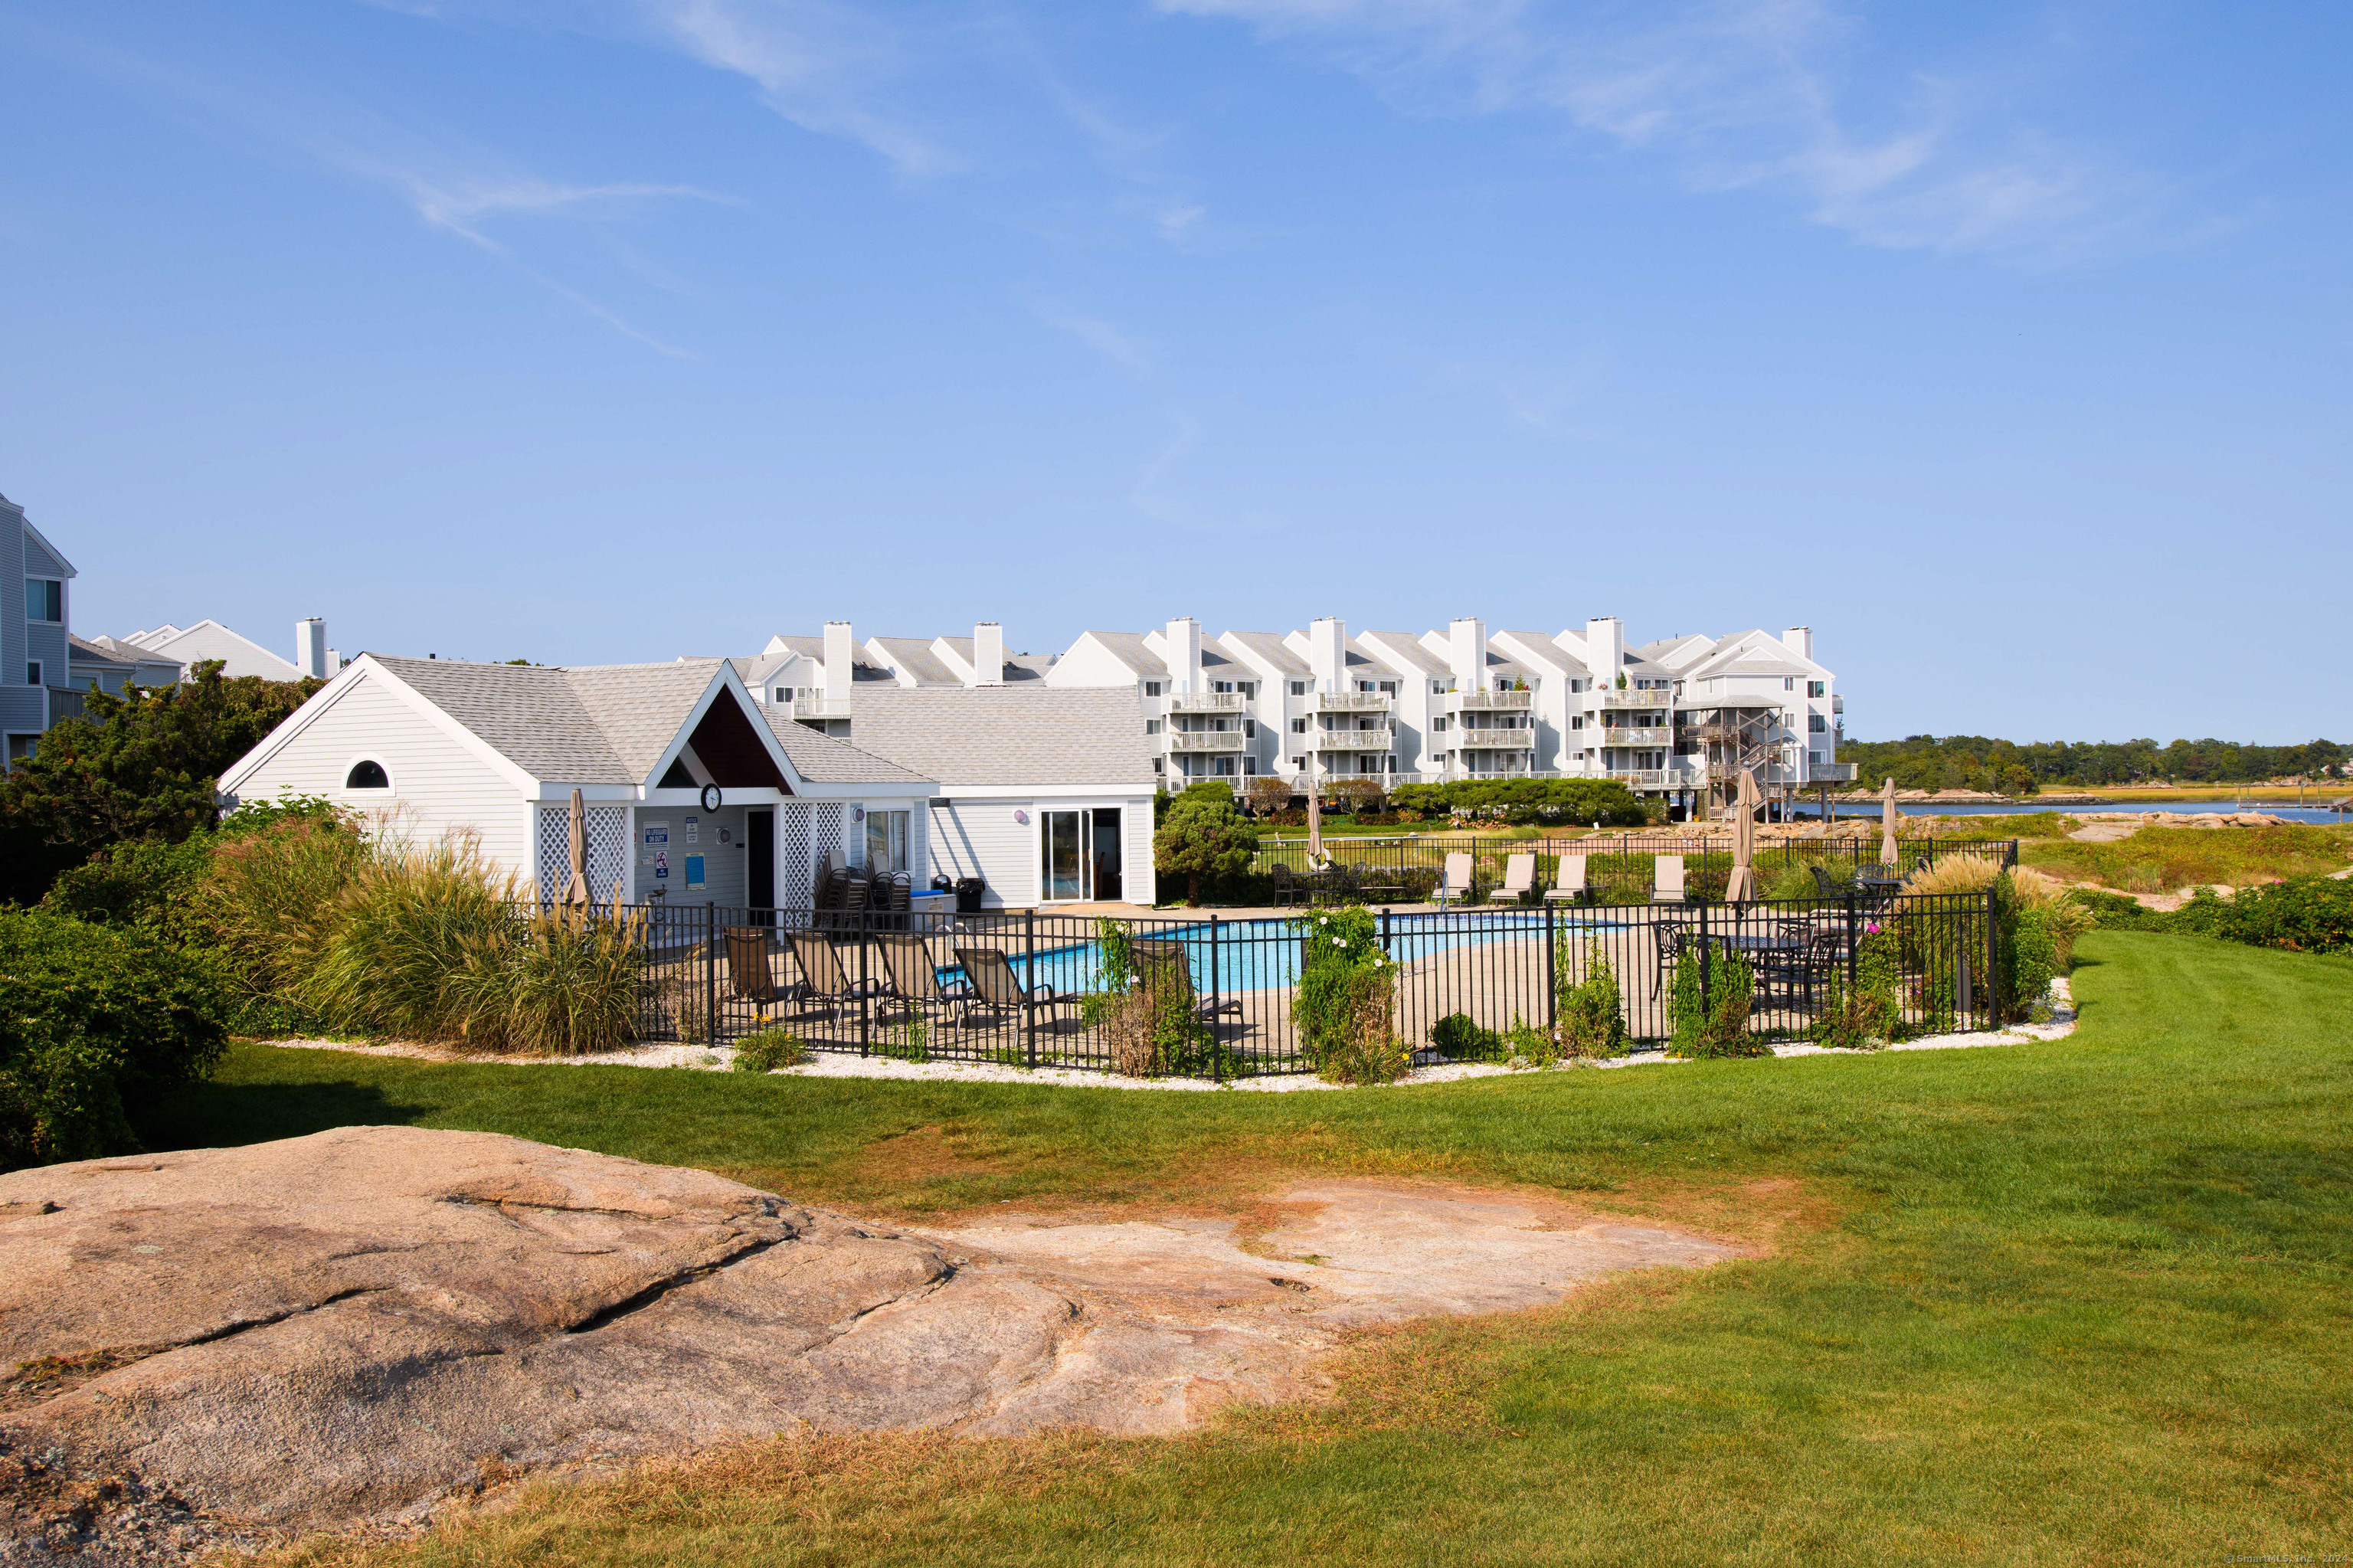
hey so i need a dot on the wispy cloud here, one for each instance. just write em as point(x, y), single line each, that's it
point(1740, 95)
point(1095, 334)
point(1146, 496)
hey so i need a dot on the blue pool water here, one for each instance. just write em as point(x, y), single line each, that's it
point(1263, 955)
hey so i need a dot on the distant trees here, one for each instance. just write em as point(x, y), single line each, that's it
point(1203, 836)
point(2008, 768)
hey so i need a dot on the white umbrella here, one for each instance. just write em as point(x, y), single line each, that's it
point(1742, 886)
point(1887, 818)
point(576, 888)
point(1314, 816)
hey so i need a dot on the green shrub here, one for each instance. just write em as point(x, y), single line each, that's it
point(1551, 802)
point(770, 1049)
point(1344, 1005)
point(1592, 1015)
point(94, 1022)
point(2303, 915)
point(1867, 1015)
point(1202, 837)
point(1528, 1046)
point(1458, 1038)
point(1710, 1007)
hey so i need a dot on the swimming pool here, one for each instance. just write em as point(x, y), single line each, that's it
point(1263, 955)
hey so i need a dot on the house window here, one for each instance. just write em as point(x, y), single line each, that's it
point(784, 696)
point(33, 674)
point(1817, 724)
point(1249, 728)
point(886, 843)
point(1297, 763)
point(367, 775)
point(1440, 723)
point(1160, 765)
point(1151, 688)
point(1818, 688)
point(1389, 688)
point(1437, 688)
point(1789, 683)
point(1221, 686)
point(1577, 721)
point(1298, 688)
point(1248, 688)
point(1152, 726)
point(44, 599)
point(1299, 727)
point(1250, 765)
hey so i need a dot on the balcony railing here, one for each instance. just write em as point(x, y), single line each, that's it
point(1656, 734)
point(1380, 739)
point(1207, 740)
point(1493, 740)
point(1638, 777)
point(1655, 697)
point(1208, 702)
point(1351, 701)
point(1830, 773)
point(66, 702)
point(821, 708)
point(1838, 705)
point(1490, 702)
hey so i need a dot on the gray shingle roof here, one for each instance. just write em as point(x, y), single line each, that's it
point(1008, 734)
point(1404, 647)
point(602, 724)
point(913, 655)
point(1129, 647)
point(1269, 646)
point(91, 654)
point(823, 758)
point(1017, 666)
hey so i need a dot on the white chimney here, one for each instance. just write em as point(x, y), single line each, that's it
point(1327, 653)
point(1799, 639)
point(1605, 648)
point(310, 647)
point(837, 659)
point(335, 662)
point(1182, 649)
point(1466, 653)
point(988, 656)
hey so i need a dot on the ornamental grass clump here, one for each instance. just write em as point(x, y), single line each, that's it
point(1955, 873)
point(768, 1050)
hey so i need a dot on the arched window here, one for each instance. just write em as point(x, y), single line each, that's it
point(366, 775)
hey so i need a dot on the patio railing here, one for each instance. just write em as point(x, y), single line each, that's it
point(903, 985)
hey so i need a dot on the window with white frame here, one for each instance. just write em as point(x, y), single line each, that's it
point(1298, 688)
point(1299, 727)
point(1152, 726)
point(44, 599)
point(1151, 688)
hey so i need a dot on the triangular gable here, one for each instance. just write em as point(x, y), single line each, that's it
point(736, 751)
point(360, 671)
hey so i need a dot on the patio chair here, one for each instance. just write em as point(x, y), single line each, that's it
point(1667, 880)
point(1456, 884)
point(997, 989)
point(1286, 887)
point(1519, 880)
point(912, 979)
point(1825, 885)
point(824, 982)
point(750, 975)
point(1176, 967)
point(1569, 887)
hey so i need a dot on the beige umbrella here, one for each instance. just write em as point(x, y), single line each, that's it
point(575, 888)
point(1742, 886)
point(1314, 816)
point(1887, 819)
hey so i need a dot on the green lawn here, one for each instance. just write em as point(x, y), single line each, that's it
point(2085, 1301)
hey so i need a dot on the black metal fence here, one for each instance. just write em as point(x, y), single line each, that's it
point(1029, 990)
point(1620, 868)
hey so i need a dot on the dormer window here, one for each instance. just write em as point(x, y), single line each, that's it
point(367, 774)
point(1151, 688)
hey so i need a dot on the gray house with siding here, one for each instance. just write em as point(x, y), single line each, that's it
point(36, 652)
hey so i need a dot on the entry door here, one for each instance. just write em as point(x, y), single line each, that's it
point(1064, 868)
point(760, 849)
point(1103, 852)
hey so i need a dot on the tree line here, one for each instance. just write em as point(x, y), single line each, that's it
point(2010, 768)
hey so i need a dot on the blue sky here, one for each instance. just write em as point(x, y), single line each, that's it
point(2005, 345)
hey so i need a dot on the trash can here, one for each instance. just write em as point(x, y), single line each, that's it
point(968, 890)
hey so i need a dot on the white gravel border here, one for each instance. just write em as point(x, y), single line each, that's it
point(828, 1064)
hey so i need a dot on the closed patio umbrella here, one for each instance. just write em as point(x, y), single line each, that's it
point(1314, 817)
point(576, 888)
point(1887, 851)
point(1742, 886)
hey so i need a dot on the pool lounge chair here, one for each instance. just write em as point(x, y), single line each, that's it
point(1569, 887)
point(824, 982)
point(750, 975)
point(1667, 880)
point(1177, 965)
point(997, 989)
point(1519, 880)
point(912, 979)
point(1456, 884)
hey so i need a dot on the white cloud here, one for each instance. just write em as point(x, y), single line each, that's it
point(1736, 95)
point(1096, 333)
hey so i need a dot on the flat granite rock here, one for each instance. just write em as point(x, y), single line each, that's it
point(353, 1327)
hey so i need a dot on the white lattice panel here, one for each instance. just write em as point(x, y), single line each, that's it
point(825, 835)
point(796, 861)
point(608, 851)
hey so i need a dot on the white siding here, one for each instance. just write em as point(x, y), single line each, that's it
point(1137, 820)
point(438, 784)
point(1090, 663)
point(980, 838)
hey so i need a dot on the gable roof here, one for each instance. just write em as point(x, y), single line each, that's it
point(1130, 649)
point(1405, 648)
point(823, 758)
point(1268, 646)
point(1029, 734)
point(913, 657)
point(1017, 666)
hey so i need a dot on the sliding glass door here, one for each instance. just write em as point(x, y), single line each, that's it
point(1079, 854)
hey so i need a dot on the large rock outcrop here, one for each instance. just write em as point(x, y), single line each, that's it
point(353, 1326)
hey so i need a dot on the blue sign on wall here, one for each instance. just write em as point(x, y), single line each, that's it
point(693, 872)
